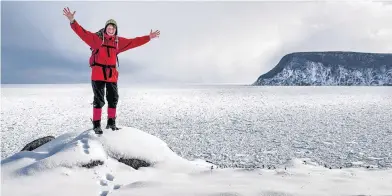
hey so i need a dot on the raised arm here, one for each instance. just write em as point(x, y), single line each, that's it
point(126, 44)
point(88, 37)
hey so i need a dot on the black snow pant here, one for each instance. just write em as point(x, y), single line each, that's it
point(99, 94)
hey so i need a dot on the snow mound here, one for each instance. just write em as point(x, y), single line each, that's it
point(127, 143)
point(59, 168)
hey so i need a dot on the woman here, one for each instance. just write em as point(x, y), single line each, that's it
point(105, 46)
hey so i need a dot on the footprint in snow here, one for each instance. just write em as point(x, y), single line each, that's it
point(109, 177)
point(104, 193)
point(117, 186)
point(107, 182)
point(86, 146)
point(103, 183)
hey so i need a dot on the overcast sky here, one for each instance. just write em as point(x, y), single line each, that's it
point(200, 42)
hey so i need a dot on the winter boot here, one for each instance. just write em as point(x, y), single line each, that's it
point(97, 127)
point(97, 112)
point(112, 124)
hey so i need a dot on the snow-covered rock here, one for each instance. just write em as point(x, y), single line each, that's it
point(127, 145)
point(37, 143)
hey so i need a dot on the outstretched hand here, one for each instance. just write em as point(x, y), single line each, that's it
point(154, 34)
point(68, 14)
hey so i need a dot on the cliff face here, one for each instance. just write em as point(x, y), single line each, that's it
point(330, 68)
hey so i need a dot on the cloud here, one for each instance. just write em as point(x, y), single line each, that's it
point(28, 54)
point(207, 42)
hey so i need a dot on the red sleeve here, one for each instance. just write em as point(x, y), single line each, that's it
point(125, 44)
point(89, 38)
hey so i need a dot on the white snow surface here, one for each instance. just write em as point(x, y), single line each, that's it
point(55, 169)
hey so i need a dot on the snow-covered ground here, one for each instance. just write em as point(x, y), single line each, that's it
point(231, 126)
point(55, 169)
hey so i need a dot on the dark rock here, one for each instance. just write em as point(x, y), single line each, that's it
point(93, 164)
point(330, 68)
point(209, 161)
point(37, 143)
point(134, 163)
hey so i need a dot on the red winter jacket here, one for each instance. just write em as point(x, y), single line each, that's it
point(105, 51)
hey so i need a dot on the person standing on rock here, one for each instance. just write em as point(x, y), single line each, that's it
point(105, 46)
